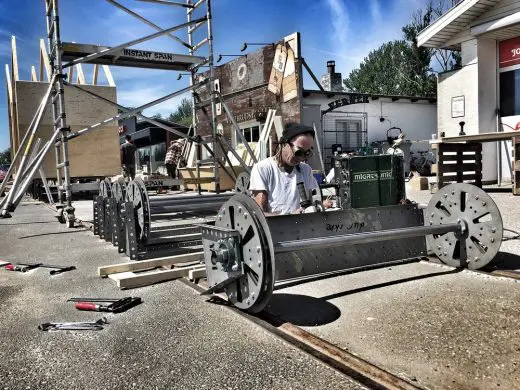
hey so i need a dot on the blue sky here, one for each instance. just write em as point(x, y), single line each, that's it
point(341, 30)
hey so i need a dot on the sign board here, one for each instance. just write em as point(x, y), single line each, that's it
point(509, 52)
point(457, 106)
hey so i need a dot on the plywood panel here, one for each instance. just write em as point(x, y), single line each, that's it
point(92, 154)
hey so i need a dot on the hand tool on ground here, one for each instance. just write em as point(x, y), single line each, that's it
point(116, 305)
point(20, 267)
point(24, 267)
point(97, 325)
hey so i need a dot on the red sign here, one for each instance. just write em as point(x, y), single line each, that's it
point(509, 52)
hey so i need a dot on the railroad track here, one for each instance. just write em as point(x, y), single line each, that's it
point(361, 370)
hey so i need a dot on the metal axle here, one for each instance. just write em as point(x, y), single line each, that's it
point(363, 238)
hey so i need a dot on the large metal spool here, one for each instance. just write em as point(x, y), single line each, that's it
point(146, 207)
point(119, 191)
point(246, 252)
point(105, 188)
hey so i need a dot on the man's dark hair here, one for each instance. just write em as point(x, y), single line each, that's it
point(292, 130)
point(128, 138)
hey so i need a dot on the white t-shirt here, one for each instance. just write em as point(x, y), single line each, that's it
point(281, 186)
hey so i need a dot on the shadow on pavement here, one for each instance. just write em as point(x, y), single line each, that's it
point(302, 310)
point(390, 283)
point(504, 261)
point(48, 234)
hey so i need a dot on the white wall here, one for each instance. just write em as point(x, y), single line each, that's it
point(417, 120)
point(477, 82)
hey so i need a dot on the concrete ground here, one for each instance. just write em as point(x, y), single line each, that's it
point(435, 326)
point(175, 339)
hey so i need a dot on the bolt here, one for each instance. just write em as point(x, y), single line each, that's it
point(431, 222)
point(476, 259)
point(445, 253)
point(258, 249)
point(492, 239)
point(445, 195)
point(476, 197)
point(453, 192)
point(484, 203)
point(432, 215)
point(439, 247)
point(220, 217)
point(240, 209)
point(493, 229)
point(259, 264)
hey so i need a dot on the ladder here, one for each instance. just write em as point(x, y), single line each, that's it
point(65, 211)
point(207, 40)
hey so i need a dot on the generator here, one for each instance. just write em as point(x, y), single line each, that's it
point(369, 181)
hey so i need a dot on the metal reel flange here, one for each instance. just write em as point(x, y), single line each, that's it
point(105, 188)
point(119, 190)
point(253, 291)
point(242, 183)
point(480, 218)
point(136, 193)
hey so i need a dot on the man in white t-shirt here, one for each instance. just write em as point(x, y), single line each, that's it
point(273, 182)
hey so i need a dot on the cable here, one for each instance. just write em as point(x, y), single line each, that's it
point(516, 237)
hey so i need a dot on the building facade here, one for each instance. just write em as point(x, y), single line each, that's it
point(485, 92)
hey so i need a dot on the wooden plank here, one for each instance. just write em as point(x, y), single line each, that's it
point(81, 76)
point(33, 74)
point(44, 62)
point(14, 59)
point(95, 74)
point(141, 280)
point(197, 273)
point(108, 75)
point(482, 137)
point(70, 78)
point(147, 264)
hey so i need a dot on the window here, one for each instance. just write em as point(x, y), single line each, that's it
point(348, 134)
point(510, 93)
point(251, 134)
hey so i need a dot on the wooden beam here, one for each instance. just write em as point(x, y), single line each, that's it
point(130, 280)
point(482, 137)
point(81, 76)
point(147, 264)
point(14, 59)
point(44, 62)
point(108, 75)
point(10, 107)
point(95, 74)
point(70, 78)
point(33, 73)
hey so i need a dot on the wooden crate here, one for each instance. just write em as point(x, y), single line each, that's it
point(516, 165)
point(459, 163)
point(206, 172)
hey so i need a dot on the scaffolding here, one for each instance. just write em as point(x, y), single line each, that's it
point(63, 55)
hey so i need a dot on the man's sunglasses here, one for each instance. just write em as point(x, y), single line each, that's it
point(300, 152)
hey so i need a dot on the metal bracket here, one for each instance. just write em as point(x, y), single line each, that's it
point(223, 255)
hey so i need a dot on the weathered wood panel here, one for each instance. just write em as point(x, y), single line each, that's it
point(92, 154)
point(243, 83)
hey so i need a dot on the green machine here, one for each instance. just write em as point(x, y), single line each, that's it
point(369, 181)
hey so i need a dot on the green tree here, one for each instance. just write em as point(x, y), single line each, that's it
point(5, 156)
point(401, 67)
point(183, 114)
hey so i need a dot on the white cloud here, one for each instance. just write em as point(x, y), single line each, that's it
point(340, 20)
point(353, 46)
point(375, 11)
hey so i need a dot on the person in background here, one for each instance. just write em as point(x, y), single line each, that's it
point(273, 182)
point(128, 158)
point(174, 159)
